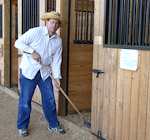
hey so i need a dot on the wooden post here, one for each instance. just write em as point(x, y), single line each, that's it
point(19, 34)
point(62, 8)
point(42, 11)
point(7, 43)
point(94, 106)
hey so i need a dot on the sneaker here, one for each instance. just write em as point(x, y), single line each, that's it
point(23, 132)
point(57, 130)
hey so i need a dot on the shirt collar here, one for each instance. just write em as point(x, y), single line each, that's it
point(46, 33)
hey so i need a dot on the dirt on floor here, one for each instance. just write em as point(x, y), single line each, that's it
point(38, 125)
point(75, 118)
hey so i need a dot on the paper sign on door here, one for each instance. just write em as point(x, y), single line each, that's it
point(129, 59)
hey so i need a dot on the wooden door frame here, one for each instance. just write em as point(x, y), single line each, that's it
point(97, 83)
point(7, 43)
point(64, 34)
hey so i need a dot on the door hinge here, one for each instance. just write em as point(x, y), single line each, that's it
point(98, 135)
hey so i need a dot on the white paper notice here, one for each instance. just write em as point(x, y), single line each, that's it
point(129, 59)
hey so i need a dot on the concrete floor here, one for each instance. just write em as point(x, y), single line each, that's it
point(38, 124)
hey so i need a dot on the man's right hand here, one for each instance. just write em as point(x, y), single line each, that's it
point(36, 56)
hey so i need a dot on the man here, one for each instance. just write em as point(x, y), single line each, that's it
point(40, 45)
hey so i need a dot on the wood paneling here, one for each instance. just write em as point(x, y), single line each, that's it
point(143, 95)
point(80, 75)
point(112, 94)
point(120, 98)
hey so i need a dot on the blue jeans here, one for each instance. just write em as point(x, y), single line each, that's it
point(27, 88)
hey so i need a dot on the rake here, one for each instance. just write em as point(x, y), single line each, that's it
point(85, 121)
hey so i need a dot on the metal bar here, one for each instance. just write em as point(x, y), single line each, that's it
point(55, 6)
point(134, 13)
point(52, 6)
point(110, 22)
point(131, 27)
point(137, 27)
point(48, 3)
point(127, 25)
point(38, 13)
point(35, 12)
point(47, 6)
point(85, 13)
point(126, 21)
point(31, 14)
point(144, 21)
point(132, 30)
point(148, 15)
point(91, 29)
point(120, 22)
point(121, 28)
point(78, 24)
point(105, 21)
point(22, 16)
point(87, 19)
point(140, 26)
point(76, 20)
point(115, 22)
point(81, 20)
point(27, 14)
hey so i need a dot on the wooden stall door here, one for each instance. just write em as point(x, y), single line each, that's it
point(120, 98)
point(80, 64)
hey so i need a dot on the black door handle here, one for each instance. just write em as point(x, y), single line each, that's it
point(97, 71)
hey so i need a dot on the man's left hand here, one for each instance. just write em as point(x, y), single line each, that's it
point(57, 83)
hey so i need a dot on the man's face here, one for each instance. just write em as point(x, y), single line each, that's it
point(52, 25)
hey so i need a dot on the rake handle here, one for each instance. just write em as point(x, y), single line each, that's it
point(65, 94)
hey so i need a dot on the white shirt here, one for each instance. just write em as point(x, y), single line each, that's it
point(50, 50)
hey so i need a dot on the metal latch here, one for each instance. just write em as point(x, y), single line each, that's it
point(19, 55)
point(97, 71)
